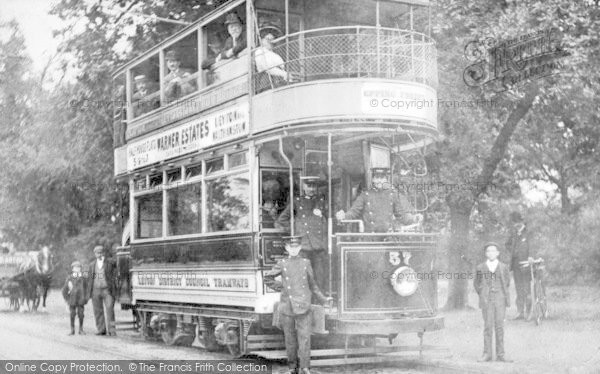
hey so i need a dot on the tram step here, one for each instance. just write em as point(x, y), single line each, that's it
point(330, 357)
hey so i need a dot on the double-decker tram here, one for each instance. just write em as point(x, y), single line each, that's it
point(222, 121)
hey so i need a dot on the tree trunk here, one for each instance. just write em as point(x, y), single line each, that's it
point(565, 202)
point(458, 264)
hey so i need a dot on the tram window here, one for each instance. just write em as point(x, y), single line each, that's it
point(185, 209)
point(193, 171)
point(181, 68)
point(201, 252)
point(145, 86)
point(149, 213)
point(174, 175)
point(275, 190)
point(139, 184)
point(228, 200)
point(226, 40)
point(156, 180)
point(215, 165)
point(238, 159)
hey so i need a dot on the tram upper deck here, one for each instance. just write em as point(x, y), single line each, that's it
point(296, 65)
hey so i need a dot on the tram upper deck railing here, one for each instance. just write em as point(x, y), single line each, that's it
point(349, 52)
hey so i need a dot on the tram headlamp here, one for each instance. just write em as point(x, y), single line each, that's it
point(404, 281)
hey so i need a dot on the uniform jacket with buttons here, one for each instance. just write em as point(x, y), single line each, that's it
point(312, 227)
point(379, 209)
point(297, 285)
point(483, 279)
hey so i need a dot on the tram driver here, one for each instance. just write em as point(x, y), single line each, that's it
point(310, 223)
point(381, 206)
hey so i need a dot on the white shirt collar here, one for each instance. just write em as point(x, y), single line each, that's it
point(100, 262)
point(492, 265)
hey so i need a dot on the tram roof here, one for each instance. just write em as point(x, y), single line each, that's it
point(218, 12)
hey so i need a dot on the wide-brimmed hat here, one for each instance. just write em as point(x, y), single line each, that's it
point(232, 18)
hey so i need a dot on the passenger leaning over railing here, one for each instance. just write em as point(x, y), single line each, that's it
point(145, 98)
point(236, 42)
point(179, 82)
point(269, 64)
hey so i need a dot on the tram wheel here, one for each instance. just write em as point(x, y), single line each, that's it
point(147, 330)
point(207, 337)
point(234, 348)
point(168, 330)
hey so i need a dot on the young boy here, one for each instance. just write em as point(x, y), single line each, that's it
point(74, 293)
point(491, 283)
point(297, 287)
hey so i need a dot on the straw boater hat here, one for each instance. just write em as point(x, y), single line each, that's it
point(98, 249)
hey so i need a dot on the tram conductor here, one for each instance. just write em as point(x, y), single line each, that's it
point(297, 285)
point(310, 223)
point(380, 207)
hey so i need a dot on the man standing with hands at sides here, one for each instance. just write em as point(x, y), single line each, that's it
point(310, 223)
point(491, 283)
point(380, 206)
point(102, 288)
point(518, 247)
point(297, 286)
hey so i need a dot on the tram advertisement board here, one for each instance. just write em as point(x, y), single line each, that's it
point(10, 263)
point(197, 134)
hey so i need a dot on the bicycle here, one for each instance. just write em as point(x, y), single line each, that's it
point(539, 306)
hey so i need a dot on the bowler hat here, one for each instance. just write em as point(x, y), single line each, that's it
point(232, 18)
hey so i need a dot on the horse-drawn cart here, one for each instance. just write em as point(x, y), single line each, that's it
point(21, 283)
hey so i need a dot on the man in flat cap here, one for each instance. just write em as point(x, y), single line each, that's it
point(381, 206)
point(102, 288)
point(310, 224)
point(178, 82)
point(297, 286)
point(236, 42)
point(491, 283)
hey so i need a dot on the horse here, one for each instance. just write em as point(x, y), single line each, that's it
point(35, 278)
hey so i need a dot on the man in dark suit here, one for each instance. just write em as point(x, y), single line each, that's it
point(310, 223)
point(102, 277)
point(236, 42)
point(491, 282)
point(297, 286)
point(518, 247)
